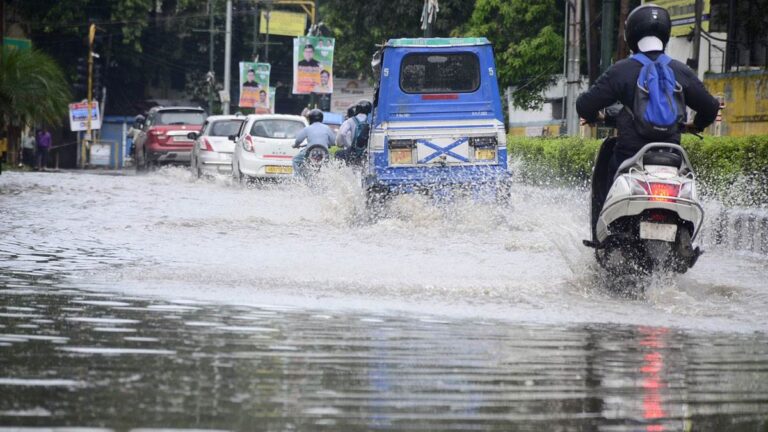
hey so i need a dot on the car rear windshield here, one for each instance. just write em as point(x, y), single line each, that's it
point(440, 73)
point(276, 128)
point(225, 128)
point(180, 117)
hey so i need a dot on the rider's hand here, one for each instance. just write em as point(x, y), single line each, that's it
point(295, 146)
point(600, 118)
point(690, 128)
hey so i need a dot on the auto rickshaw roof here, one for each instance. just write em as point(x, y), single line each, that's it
point(436, 42)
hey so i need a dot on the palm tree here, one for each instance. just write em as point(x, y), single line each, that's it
point(33, 90)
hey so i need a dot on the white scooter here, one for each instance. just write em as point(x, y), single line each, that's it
point(650, 216)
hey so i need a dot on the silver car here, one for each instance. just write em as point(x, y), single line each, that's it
point(212, 152)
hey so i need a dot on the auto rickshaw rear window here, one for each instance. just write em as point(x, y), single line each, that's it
point(440, 73)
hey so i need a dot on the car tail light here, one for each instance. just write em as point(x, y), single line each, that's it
point(401, 152)
point(206, 145)
point(157, 133)
point(248, 144)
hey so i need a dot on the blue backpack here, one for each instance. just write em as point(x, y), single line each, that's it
point(659, 106)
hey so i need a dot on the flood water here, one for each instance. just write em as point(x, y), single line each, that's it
point(162, 302)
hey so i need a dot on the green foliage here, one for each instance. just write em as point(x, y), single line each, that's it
point(526, 35)
point(733, 169)
point(32, 89)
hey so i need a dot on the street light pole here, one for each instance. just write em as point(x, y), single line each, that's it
point(227, 55)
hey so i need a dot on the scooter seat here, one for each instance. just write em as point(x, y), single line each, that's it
point(664, 158)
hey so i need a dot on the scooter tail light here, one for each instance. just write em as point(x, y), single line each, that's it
point(664, 191)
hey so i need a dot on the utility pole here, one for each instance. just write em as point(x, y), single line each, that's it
point(89, 132)
point(693, 62)
point(574, 63)
point(211, 41)
point(266, 40)
point(255, 52)
point(227, 55)
point(607, 34)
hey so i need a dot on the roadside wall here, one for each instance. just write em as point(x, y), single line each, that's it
point(745, 95)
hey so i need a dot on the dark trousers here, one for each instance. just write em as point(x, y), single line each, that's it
point(42, 157)
point(609, 159)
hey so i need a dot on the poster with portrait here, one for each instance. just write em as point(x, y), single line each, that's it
point(254, 86)
point(313, 65)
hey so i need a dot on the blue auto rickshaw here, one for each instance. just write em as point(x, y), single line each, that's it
point(437, 120)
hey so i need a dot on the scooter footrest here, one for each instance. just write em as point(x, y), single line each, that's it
point(591, 244)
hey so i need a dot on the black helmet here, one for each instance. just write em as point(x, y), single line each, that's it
point(351, 111)
point(315, 116)
point(647, 20)
point(364, 107)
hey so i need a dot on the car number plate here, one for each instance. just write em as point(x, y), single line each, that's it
point(485, 154)
point(279, 169)
point(181, 139)
point(657, 231)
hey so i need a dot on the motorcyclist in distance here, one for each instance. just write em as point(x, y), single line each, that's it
point(351, 130)
point(317, 133)
point(647, 31)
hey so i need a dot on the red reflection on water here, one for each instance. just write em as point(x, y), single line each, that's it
point(653, 382)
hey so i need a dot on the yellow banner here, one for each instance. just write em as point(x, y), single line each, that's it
point(683, 14)
point(284, 23)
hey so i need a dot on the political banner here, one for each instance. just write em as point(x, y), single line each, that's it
point(254, 86)
point(348, 92)
point(78, 116)
point(313, 65)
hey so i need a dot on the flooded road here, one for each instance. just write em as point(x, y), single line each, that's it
point(161, 302)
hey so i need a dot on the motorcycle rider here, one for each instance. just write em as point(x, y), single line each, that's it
point(647, 31)
point(350, 130)
point(317, 133)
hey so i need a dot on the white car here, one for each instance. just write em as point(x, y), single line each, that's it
point(212, 152)
point(264, 146)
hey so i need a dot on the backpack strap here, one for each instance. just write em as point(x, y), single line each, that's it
point(642, 59)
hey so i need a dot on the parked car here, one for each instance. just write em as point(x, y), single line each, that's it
point(212, 151)
point(438, 122)
point(164, 136)
point(264, 146)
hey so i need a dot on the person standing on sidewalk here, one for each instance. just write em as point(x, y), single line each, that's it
point(43, 146)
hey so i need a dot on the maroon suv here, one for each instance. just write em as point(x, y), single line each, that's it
point(164, 136)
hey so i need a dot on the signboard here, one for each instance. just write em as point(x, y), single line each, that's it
point(313, 65)
point(254, 86)
point(21, 44)
point(101, 154)
point(347, 92)
point(283, 23)
point(683, 14)
point(78, 116)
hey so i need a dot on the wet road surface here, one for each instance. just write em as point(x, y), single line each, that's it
point(162, 302)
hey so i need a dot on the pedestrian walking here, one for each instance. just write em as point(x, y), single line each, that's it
point(43, 147)
point(28, 149)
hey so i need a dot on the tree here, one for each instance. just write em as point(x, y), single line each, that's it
point(32, 90)
point(526, 35)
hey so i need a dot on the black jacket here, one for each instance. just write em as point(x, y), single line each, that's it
point(618, 84)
